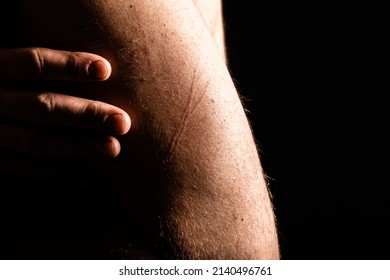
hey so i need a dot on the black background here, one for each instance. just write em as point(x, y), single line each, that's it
point(316, 82)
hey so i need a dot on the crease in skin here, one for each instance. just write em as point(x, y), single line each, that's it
point(188, 112)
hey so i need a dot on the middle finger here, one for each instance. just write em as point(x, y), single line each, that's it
point(48, 108)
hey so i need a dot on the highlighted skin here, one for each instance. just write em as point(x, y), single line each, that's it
point(189, 175)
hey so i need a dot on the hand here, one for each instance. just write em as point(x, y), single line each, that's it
point(43, 131)
point(42, 123)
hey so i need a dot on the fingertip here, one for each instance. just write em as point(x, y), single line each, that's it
point(108, 147)
point(126, 123)
point(99, 69)
point(118, 123)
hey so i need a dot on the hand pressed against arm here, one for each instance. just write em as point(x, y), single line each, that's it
point(33, 110)
point(189, 174)
point(40, 120)
point(27, 112)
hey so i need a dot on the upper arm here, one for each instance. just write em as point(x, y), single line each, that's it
point(212, 13)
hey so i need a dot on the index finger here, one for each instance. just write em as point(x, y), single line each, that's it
point(32, 64)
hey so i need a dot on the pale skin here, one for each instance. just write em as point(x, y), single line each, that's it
point(43, 64)
point(188, 172)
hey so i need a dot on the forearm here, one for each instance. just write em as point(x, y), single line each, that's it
point(187, 120)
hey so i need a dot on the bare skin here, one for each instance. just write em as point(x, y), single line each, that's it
point(44, 108)
point(26, 126)
point(189, 174)
point(37, 120)
point(211, 12)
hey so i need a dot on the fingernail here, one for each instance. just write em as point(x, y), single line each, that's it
point(115, 123)
point(98, 70)
point(106, 148)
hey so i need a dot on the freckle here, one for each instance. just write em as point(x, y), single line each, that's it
point(242, 220)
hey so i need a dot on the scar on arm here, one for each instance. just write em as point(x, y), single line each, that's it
point(190, 108)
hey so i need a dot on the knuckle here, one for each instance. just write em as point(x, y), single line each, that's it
point(43, 105)
point(92, 111)
point(35, 62)
point(72, 66)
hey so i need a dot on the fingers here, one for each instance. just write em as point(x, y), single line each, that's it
point(62, 110)
point(28, 64)
point(53, 124)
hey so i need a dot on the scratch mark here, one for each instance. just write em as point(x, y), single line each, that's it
point(190, 109)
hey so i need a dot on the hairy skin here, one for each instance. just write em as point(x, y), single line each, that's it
point(189, 175)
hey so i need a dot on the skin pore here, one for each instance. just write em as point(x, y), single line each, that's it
point(189, 176)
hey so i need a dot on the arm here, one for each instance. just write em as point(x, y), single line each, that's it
point(189, 171)
point(211, 12)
